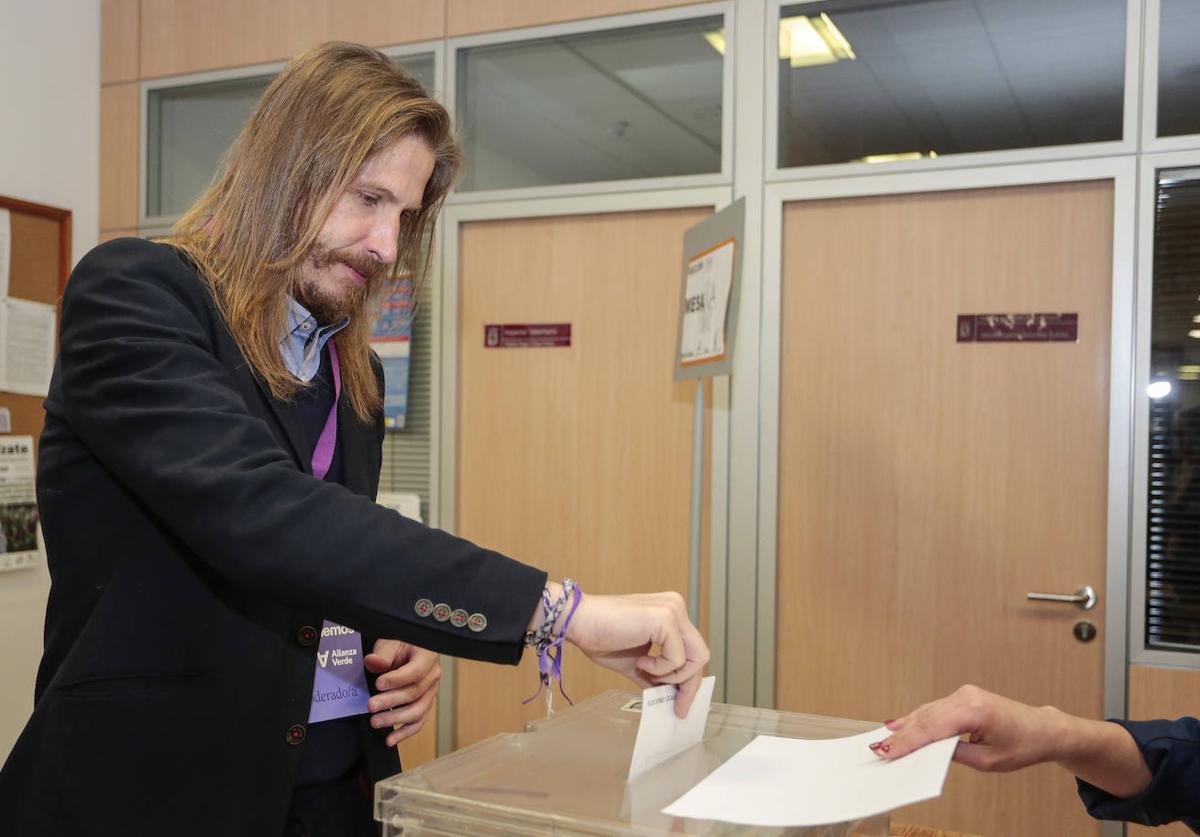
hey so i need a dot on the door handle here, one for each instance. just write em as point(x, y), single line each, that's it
point(1084, 597)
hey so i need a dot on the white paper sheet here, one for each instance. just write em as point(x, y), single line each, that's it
point(5, 250)
point(660, 734)
point(408, 505)
point(709, 283)
point(26, 346)
point(18, 504)
point(793, 782)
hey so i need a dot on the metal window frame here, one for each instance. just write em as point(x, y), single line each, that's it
point(146, 87)
point(446, 338)
point(1150, 141)
point(739, 640)
point(1122, 172)
point(722, 8)
point(1126, 145)
point(1149, 165)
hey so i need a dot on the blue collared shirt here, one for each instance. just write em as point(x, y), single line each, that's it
point(305, 338)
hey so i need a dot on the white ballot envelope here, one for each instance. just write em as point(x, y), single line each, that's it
point(781, 782)
point(660, 734)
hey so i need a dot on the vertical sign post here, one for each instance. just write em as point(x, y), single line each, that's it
point(712, 272)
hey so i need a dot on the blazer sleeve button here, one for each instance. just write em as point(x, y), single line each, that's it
point(306, 636)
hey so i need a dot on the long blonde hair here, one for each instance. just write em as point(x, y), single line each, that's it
point(320, 120)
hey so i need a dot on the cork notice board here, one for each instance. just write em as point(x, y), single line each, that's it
point(39, 261)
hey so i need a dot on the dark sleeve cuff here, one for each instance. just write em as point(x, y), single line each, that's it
point(1172, 753)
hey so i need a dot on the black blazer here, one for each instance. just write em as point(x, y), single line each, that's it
point(1172, 753)
point(189, 547)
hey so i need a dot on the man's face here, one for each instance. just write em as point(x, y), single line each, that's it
point(356, 247)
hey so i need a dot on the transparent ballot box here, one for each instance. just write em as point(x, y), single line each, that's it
point(568, 776)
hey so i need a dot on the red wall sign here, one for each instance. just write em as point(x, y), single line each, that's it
point(1018, 328)
point(539, 336)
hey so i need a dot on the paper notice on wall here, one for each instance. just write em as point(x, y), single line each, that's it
point(391, 338)
point(407, 504)
point(5, 250)
point(18, 504)
point(709, 282)
point(26, 346)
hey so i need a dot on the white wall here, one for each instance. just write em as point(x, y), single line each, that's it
point(49, 153)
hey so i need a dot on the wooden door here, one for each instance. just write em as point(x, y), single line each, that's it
point(925, 486)
point(578, 459)
point(1162, 693)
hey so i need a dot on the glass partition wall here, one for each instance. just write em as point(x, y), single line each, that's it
point(189, 126)
point(1172, 572)
point(873, 82)
point(622, 104)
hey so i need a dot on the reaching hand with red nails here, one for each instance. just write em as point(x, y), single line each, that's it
point(1004, 735)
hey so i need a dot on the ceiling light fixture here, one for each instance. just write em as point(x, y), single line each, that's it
point(891, 158)
point(811, 41)
point(716, 40)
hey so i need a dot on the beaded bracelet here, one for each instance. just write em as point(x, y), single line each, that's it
point(549, 645)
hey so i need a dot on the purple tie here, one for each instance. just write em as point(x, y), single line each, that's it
point(323, 454)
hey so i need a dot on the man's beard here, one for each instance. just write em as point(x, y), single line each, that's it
point(351, 298)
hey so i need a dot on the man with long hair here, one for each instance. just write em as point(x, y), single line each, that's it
point(211, 452)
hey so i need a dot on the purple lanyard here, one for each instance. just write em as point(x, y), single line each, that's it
point(322, 456)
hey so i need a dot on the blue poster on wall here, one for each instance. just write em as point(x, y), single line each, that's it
point(391, 338)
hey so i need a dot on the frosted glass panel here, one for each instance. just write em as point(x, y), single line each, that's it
point(621, 104)
point(188, 129)
point(874, 81)
point(1179, 69)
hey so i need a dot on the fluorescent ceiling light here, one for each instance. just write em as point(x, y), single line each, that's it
point(717, 40)
point(891, 158)
point(809, 41)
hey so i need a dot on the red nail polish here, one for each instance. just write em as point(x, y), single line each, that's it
point(887, 748)
point(891, 721)
point(875, 746)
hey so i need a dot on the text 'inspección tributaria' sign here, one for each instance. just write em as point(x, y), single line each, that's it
point(538, 336)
